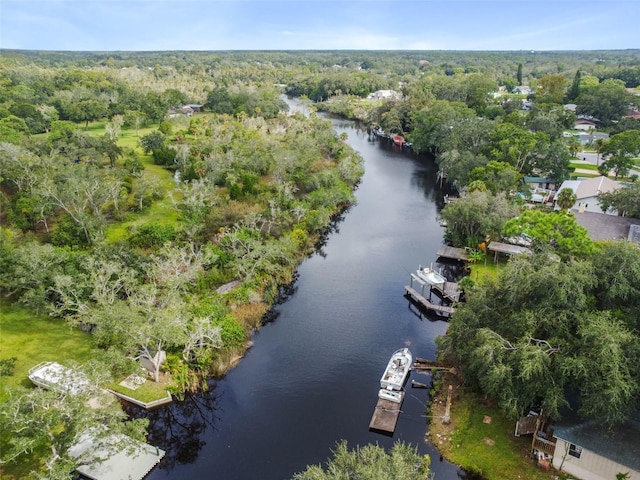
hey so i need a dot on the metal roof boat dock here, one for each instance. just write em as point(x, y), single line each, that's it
point(118, 457)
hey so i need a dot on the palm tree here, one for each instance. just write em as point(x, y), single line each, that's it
point(566, 198)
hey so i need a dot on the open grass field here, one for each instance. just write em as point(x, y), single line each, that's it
point(160, 212)
point(32, 339)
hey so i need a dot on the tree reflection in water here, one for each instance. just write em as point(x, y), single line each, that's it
point(178, 428)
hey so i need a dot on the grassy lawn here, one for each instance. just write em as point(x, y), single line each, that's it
point(160, 212)
point(33, 339)
point(486, 269)
point(149, 392)
point(479, 438)
point(584, 166)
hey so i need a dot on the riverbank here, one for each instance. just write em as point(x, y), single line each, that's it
point(478, 437)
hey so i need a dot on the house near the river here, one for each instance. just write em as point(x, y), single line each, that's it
point(594, 451)
point(589, 450)
point(587, 192)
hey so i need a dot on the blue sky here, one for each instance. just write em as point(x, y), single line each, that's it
point(110, 25)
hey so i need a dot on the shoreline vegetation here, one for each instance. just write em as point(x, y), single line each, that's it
point(135, 185)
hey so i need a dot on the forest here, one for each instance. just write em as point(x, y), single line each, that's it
point(162, 201)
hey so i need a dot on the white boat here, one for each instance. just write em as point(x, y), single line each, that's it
point(430, 276)
point(53, 376)
point(397, 370)
point(395, 396)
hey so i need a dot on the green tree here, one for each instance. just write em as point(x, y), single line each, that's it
point(458, 164)
point(625, 200)
point(88, 110)
point(13, 129)
point(607, 101)
point(517, 146)
point(134, 119)
point(152, 141)
point(551, 89)
point(534, 338)
point(619, 152)
point(604, 367)
point(617, 269)
point(371, 462)
point(433, 127)
point(557, 231)
point(473, 217)
point(574, 90)
point(519, 74)
point(555, 161)
point(31, 115)
point(497, 176)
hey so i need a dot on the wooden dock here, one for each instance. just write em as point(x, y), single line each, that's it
point(453, 253)
point(441, 309)
point(449, 291)
point(385, 416)
point(423, 365)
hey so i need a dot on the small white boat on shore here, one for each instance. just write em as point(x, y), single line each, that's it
point(430, 276)
point(397, 370)
point(53, 376)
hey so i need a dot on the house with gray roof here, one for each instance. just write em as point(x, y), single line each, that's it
point(595, 451)
point(587, 192)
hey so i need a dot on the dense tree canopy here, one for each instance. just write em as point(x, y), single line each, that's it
point(607, 102)
point(536, 336)
point(473, 217)
point(556, 231)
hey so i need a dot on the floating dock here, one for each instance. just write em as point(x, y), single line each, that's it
point(385, 416)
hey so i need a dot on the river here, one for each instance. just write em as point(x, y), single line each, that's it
point(312, 376)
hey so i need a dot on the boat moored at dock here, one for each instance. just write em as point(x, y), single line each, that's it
point(430, 276)
point(397, 370)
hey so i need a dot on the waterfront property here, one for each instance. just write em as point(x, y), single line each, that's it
point(587, 449)
point(593, 451)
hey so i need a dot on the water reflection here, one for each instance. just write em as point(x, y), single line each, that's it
point(312, 376)
point(179, 429)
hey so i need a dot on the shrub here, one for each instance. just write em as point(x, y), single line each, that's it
point(7, 365)
point(153, 235)
point(232, 332)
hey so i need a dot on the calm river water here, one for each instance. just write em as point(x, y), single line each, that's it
point(312, 377)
